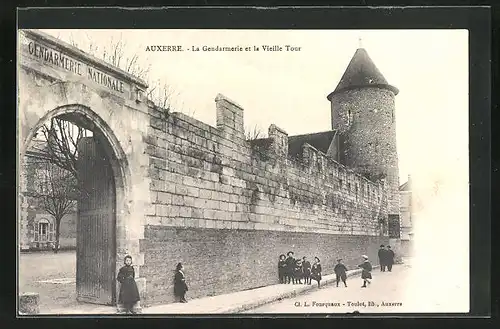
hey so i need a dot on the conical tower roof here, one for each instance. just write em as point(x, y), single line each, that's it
point(361, 73)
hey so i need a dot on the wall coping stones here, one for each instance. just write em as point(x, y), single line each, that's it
point(221, 97)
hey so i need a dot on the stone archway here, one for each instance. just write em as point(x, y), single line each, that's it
point(83, 116)
point(121, 117)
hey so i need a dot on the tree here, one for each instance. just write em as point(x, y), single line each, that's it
point(62, 144)
point(116, 53)
point(56, 193)
point(253, 134)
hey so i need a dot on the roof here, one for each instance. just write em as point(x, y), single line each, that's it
point(405, 187)
point(362, 72)
point(321, 141)
point(262, 143)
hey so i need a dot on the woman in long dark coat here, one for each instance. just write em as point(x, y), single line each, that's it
point(366, 274)
point(316, 270)
point(180, 285)
point(129, 294)
point(282, 268)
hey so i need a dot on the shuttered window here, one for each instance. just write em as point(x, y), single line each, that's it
point(51, 232)
point(36, 231)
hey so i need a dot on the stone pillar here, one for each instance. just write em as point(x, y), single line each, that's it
point(309, 157)
point(29, 303)
point(280, 141)
point(229, 116)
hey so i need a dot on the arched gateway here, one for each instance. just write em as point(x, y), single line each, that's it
point(58, 80)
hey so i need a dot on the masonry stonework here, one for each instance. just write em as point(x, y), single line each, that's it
point(370, 142)
point(215, 194)
point(224, 206)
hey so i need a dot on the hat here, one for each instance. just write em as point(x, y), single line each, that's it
point(365, 257)
point(338, 260)
point(290, 252)
point(317, 259)
point(381, 246)
point(282, 255)
point(389, 247)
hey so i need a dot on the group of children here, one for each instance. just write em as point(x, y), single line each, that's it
point(291, 270)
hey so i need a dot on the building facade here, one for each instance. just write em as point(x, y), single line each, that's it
point(173, 189)
point(41, 231)
point(407, 225)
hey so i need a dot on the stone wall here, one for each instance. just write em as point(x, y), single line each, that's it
point(213, 182)
point(219, 261)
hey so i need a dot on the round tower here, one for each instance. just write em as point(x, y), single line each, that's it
point(363, 109)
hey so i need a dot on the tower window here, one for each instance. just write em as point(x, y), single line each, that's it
point(348, 117)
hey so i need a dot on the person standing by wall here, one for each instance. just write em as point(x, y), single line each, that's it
point(382, 253)
point(129, 294)
point(282, 268)
point(316, 270)
point(340, 272)
point(390, 258)
point(298, 273)
point(290, 266)
point(366, 274)
point(306, 269)
point(180, 285)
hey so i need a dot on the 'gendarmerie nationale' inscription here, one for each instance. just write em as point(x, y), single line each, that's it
point(59, 59)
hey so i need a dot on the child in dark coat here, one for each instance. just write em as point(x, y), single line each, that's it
point(306, 269)
point(298, 274)
point(316, 271)
point(180, 285)
point(129, 294)
point(366, 274)
point(340, 272)
point(289, 268)
point(282, 268)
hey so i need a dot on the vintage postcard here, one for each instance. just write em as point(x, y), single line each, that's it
point(243, 171)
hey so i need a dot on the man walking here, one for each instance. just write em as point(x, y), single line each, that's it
point(382, 256)
point(389, 258)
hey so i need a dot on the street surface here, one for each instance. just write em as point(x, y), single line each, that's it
point(51, 275)
point(386, 294)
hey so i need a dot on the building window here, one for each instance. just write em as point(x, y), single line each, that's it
point(43, 231)
point(349, 117)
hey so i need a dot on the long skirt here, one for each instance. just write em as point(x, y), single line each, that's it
point(129, 294)
point(366, 275)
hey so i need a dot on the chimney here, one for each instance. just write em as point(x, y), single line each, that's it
point(229, 116)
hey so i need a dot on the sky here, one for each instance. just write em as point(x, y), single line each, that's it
point(289, 89)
